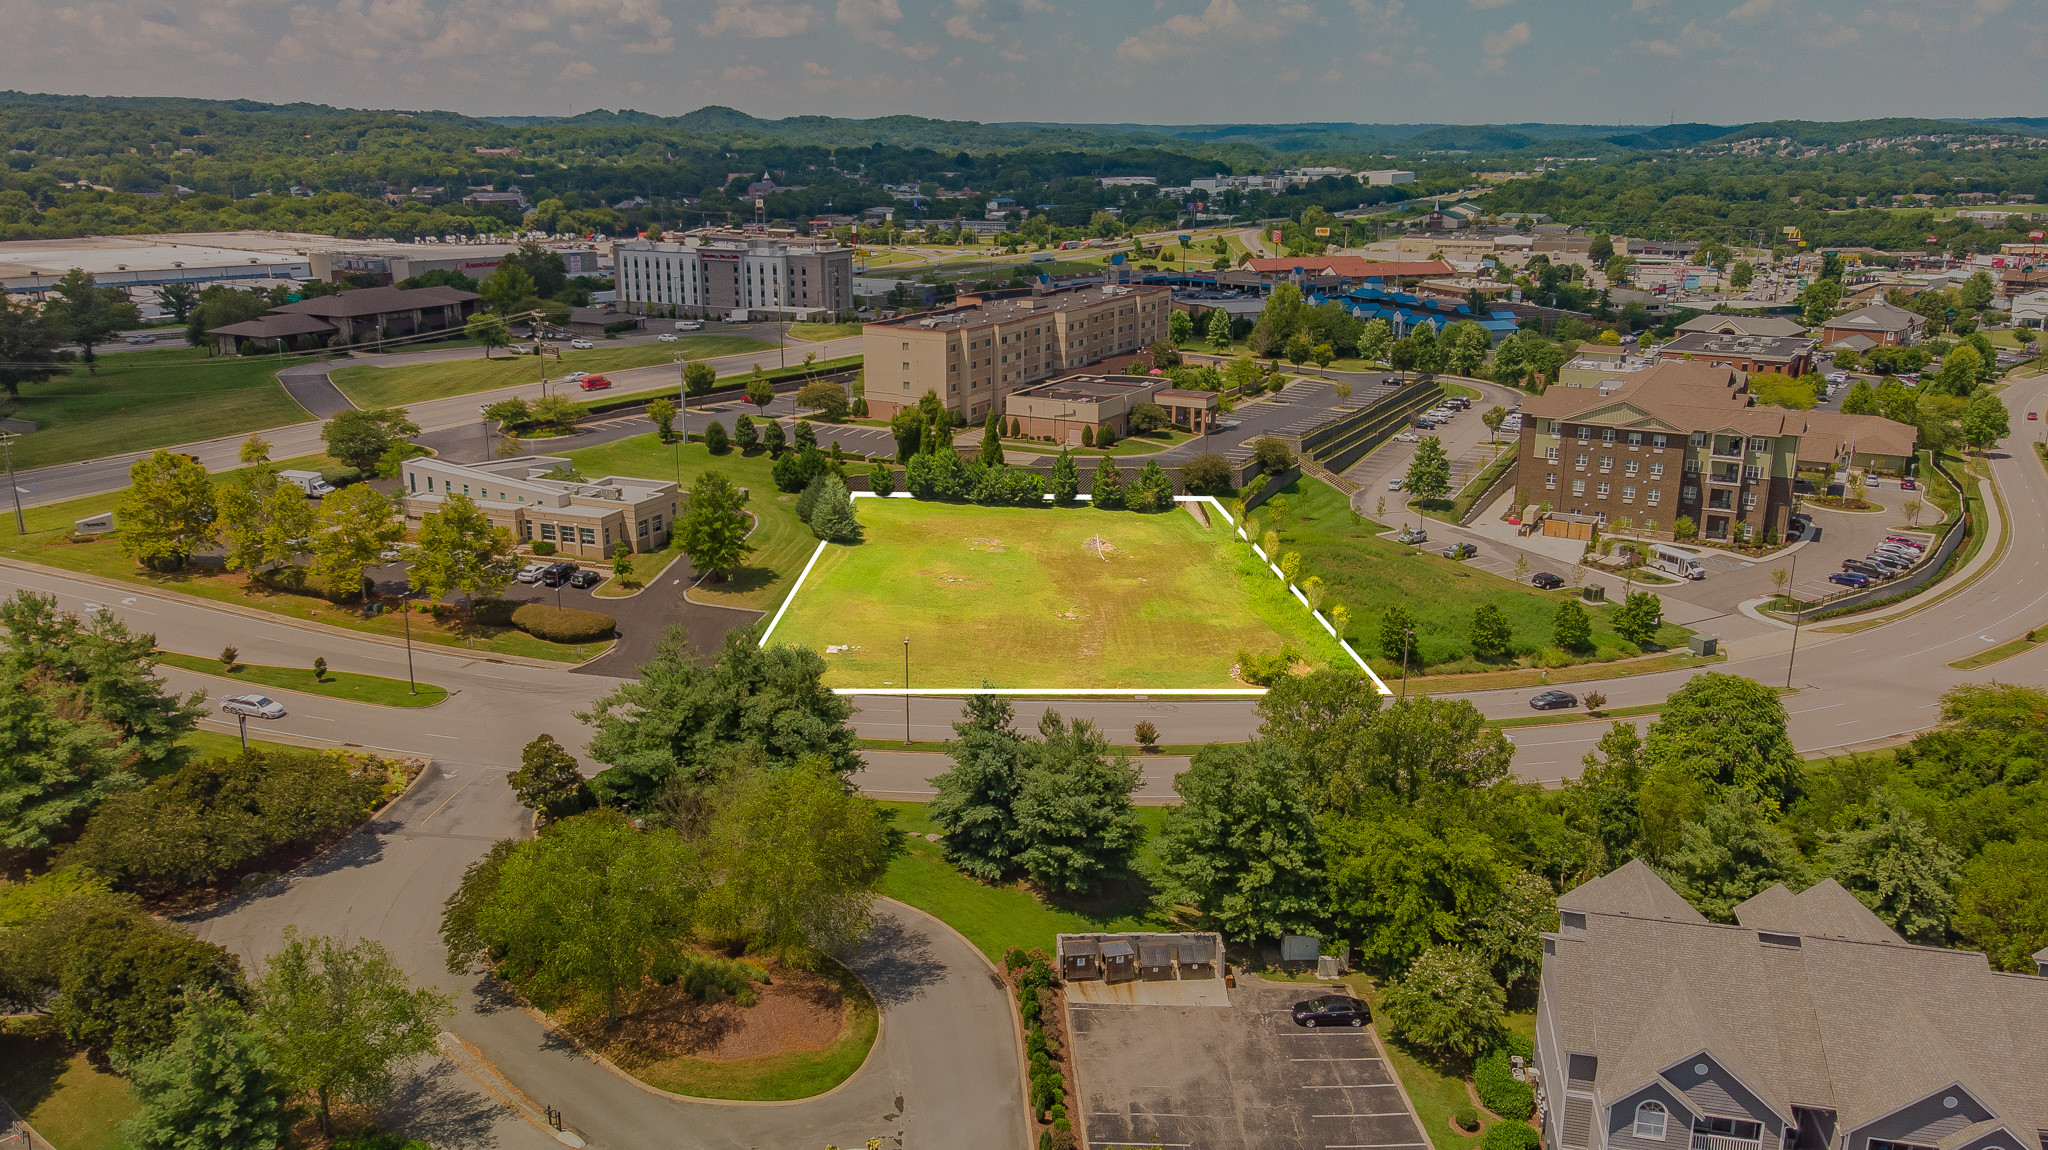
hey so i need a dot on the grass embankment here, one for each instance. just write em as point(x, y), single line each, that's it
point(1167, 603)
point(49, 542)
point(147, 399)
point(374, 386)
point(782, 542)
point(58, 1091)
point(996, 918)
point(1150, 443)
point(780, 1077)
point(213, 744)
point(820, 332)
point(334, 685)
point(1454, 510)
point(1369, 574)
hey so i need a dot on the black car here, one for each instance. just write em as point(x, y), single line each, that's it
point(583, 579)
point(1554, 701)
point(1332, 1010)
point(1460, 551)
point(557, 575)
point(1545, 580)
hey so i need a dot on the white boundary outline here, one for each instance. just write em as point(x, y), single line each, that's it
point(1378, 683)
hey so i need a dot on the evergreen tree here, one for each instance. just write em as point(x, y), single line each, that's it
point(771, 437)
point(992, 439)
point(805, 435)
point(1075, 821)
point(1106, 437)
point(1899, 870)
point(1088, 437)
point(1066, 479)
point(1108, 488)
point(745, 434)
point(833, 517)
point(974, 802)
point(1572, 628)
point(215, 1087)
point(882, 480)
point(715, 440)
point(1219, 329)
point(1152, 490)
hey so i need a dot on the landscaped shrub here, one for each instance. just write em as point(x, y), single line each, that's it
point(543, 548)
point(563, 624)
point(1510, 1136)
point(1494, 1076)
point(207, 818)
point(341, 476)
point(1466, 1119)
point(1266, 670)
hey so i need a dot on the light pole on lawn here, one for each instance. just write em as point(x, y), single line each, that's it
point(906, 690)
point(7, 444)
point(412, 687)
point(242, 721)
point(1791, 582)
point(1407, 637)
point(682, 415)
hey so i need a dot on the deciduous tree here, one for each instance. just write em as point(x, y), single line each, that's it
point(360, 438)
point(88, 315)
point(1728, 731)
point(460, 549)
point(1447, 1003)
point(1242, 848)
point(548, 780)
point(713, 532)
point(1729, 854)
point(169, 512)
point(1429, 472)
point(357, 525)
point(1900, 871)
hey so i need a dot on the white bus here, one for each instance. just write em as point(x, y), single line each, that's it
point(1672, 561)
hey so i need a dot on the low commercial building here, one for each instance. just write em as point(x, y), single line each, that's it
point(1683, 439)
point(988, 346)
point(1062, 409)
point(1787, 355)
point(1880, 323)
point(582, 518)
point(352, 316)
point(1762, 326)
point(1806, 1024)
point(716, 271)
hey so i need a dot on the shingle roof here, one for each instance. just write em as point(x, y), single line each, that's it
point(1876, 317)
point(274, 327)
point(1706, 343)
point(377, 301)
point(1767, 325)
point(1838, 1018)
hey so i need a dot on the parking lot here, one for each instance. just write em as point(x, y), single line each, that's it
point(1220, 1078)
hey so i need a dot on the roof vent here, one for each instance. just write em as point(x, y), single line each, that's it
point(1777, 938)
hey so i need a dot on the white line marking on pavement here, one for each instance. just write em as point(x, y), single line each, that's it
point(1335, 1060)
point(1352, 1086)
point(1374, 1114)
point(432, 735)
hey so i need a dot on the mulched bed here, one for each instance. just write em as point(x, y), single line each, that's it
point(797, 1010)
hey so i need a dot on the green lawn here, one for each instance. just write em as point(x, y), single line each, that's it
point(996, 918)
point(144, 399)
point(336, 685)
point(49, 543)
point(370, 386)
point(1368, 574)
point(780, 1077)
point(68, 1102)
point(213, 744)
point(1169, 604)
point(819, 332)
point(782, 542)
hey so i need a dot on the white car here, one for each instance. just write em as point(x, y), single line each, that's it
point(689, 325)
point(573, 376)
point(1407, 437)
point(531, 572)
point(392, 554)
point(581, 344)
point(665, 337)
point(142, 339)
point(254, 706)
point(1395, 483)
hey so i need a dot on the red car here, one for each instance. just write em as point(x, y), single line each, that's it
point(2033, 415)
point(593, 383)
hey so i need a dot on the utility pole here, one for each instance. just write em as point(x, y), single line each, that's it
point(1791, 658)
point(412, 687)
point(7, 444)
point(682, 416)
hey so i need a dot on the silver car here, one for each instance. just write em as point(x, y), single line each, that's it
point(254, 706)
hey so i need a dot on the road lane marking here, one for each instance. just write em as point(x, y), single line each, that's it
point(1359, 1059)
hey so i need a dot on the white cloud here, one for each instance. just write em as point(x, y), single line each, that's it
point(1490, 3)
point(759, 21)
point(576, 72)
point(961, 27)
point(1751, 11)
point(1655, 47)
point(1015, 53)
point(1184, 34)
point(743, 74)
point(1828, 32)
point(1333, 76)
point(1496, 46)
point(869, 20)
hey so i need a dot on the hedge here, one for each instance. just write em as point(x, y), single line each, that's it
point(1510, 1136)
point(563, 624)
point(1494, 1076)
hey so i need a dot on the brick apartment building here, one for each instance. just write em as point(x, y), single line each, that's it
point(1682, 439)
point(974, 354)
point(1788, 355)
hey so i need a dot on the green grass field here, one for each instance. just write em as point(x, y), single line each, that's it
point(370, 386)
point(60, 1093)
point(1368, 574)
point(144, 399)
point(819, 332)
point(1017, 596)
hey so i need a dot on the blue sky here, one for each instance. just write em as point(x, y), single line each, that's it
point(1151, 61)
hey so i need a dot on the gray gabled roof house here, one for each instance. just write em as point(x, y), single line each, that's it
point(1808, 1025)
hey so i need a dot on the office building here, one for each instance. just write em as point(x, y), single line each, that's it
point(582, 518)
point(974, 354)
point(1063, 409)
point(714, 272)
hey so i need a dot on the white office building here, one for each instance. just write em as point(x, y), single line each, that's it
point(717, 271)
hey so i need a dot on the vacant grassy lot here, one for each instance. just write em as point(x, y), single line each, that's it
point(368, 386)
point(782, 542)
point(144, 399)
point(1368, 574)
point(1018, 596)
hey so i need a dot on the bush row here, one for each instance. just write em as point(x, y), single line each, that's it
point(1498, 1089)
point(1048, 1086)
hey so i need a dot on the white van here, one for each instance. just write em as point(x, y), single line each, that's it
point(689, 325)
point(308, 482)
point(1672, 561)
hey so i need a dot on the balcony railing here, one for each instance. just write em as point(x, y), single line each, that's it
point(1725, 478)
point(1723, 1142)
point(1728, 451)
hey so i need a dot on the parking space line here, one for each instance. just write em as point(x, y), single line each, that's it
point(1375, 1114)
point(1372, 1145)
point(1092, 1142)
point(1354, 1086)
point(1360, 1059)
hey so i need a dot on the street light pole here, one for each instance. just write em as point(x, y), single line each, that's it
point(1791, 582)
point(682, 415)
point(7, 443)
point(405, 605)
point(1406, 636)
point(906, 690)
point(243, 721)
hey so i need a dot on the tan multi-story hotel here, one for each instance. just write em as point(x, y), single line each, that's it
point(974, 354)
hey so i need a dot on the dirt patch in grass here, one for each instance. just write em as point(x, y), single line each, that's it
point(796, 1010)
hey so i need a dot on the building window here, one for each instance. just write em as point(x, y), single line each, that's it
point(1607, 435)
point(1635, 439)
point(1759, 445)
point(1699, 439)
point(1628, 494)
point(1656, 471)
point(1630, 467)
point(1655, 496)
point(547, 531)
point(1580, 460)
point(1658, 442)
point(1601, 490)
point(430, 483)
point(643, 529)
point(589, 536)
point(1578, 487)
point(1692, 494)
point(1606, 463)
point(1650, 1119)
point(657, 525)
point(1753, 471)
point(1692, 467)
point(1550, 481)
point(1749, 501)
point(1550, 454)
point(1585, 433)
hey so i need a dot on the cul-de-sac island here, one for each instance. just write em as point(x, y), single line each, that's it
point(1196, 576)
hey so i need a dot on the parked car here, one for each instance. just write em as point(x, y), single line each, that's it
point(144, 337)
point(689, 325)
point(593, 383)
point(1412, 536)
point(531, 573)
point(1546, 580)
point(1407, 437)
point(1425, 423)
point(1892, 564)
point(1909, 484)
point(557, 574)
point(254, 706)
point(1331, 1010)
point(2033, 415)
point(1460, 551)
point(1554, 701)
point(1866, 567)
point(1849, 578)
point(665, 337)
point(585, 579)
point(1396, 483)
point(581, 344)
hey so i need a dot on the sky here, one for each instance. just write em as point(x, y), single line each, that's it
point(1109, 61)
